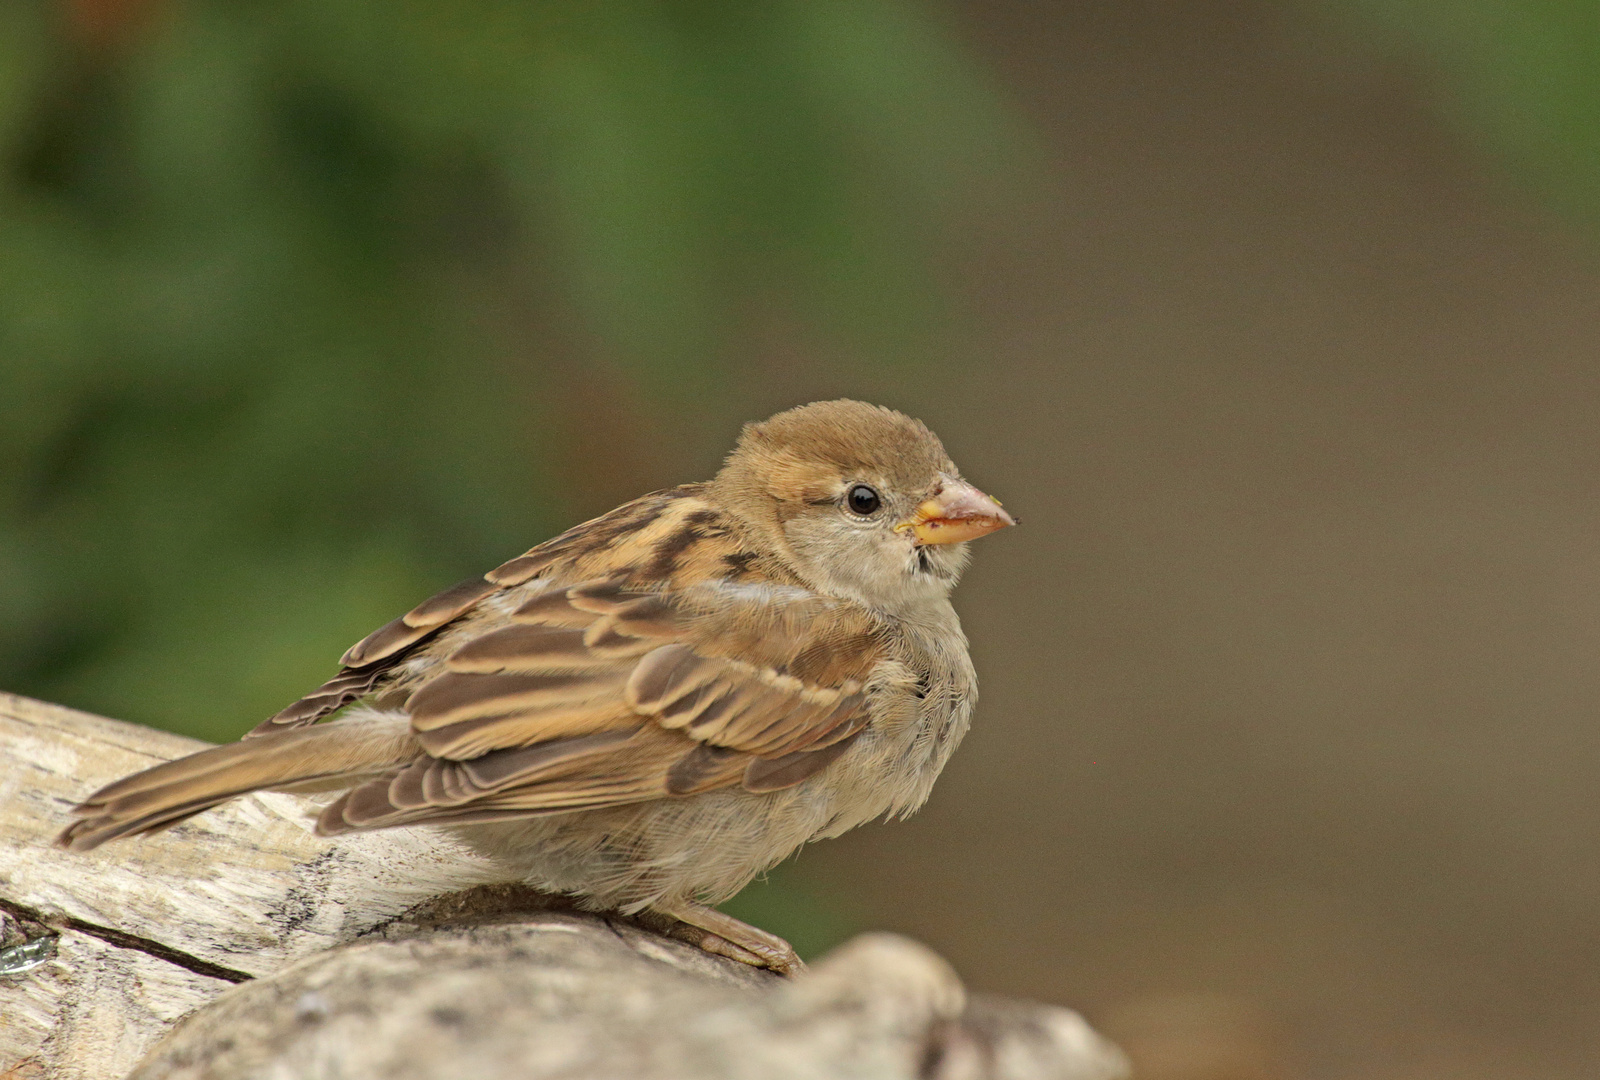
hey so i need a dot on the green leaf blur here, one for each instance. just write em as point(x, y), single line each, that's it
point(1520, 76)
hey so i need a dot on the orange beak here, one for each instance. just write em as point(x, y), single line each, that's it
point(956, 512)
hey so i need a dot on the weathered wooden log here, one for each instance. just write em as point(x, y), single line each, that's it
point(240, 945)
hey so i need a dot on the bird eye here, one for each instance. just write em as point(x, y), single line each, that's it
point(863, 500)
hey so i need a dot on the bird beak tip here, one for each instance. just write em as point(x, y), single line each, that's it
point(956, 513)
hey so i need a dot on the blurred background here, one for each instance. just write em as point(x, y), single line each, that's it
point(1278, 322)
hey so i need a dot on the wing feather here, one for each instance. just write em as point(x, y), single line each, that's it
point(528, 648)
point(775, 774)
point(616, 688)
point(454, 696)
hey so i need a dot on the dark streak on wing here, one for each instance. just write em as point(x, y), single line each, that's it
point(664, 559)
point(775, 774)
point(738, 563)
point(705, 767)
point(603, 530)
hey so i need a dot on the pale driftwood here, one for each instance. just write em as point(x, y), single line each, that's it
point(294, 956)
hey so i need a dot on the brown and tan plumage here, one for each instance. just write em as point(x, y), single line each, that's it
point(661, 703)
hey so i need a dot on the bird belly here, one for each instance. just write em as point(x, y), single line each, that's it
point(700, 847)
point(707, 847)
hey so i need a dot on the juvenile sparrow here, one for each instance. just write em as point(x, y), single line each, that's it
point(657, 705)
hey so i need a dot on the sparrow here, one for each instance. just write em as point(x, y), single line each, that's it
point(653, 708)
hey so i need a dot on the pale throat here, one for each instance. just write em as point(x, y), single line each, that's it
point(887, 581)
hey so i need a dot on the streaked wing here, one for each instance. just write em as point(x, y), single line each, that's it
point(617, 689)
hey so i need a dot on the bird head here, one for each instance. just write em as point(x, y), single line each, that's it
point(863, 500)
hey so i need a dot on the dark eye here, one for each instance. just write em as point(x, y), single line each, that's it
point(863, 500)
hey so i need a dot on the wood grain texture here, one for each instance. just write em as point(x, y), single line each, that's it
point(246, 885)
point(237, 892)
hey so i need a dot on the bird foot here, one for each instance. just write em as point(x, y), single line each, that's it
point(722, 935)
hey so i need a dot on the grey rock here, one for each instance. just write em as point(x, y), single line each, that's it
point(561, 994)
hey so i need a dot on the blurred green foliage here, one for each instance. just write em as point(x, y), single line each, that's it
point(300, 300)
point(791, 904)
point(1521, 75)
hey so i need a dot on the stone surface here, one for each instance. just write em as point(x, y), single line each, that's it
point(564, 995)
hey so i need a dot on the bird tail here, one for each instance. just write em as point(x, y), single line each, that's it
point(326, 756)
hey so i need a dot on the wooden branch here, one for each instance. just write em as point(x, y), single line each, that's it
point(378, 955)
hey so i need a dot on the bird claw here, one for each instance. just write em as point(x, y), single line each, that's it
point(722, 935)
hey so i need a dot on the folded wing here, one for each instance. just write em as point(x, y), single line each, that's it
point(599, 694)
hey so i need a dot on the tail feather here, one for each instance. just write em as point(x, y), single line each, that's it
point(312, 757)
